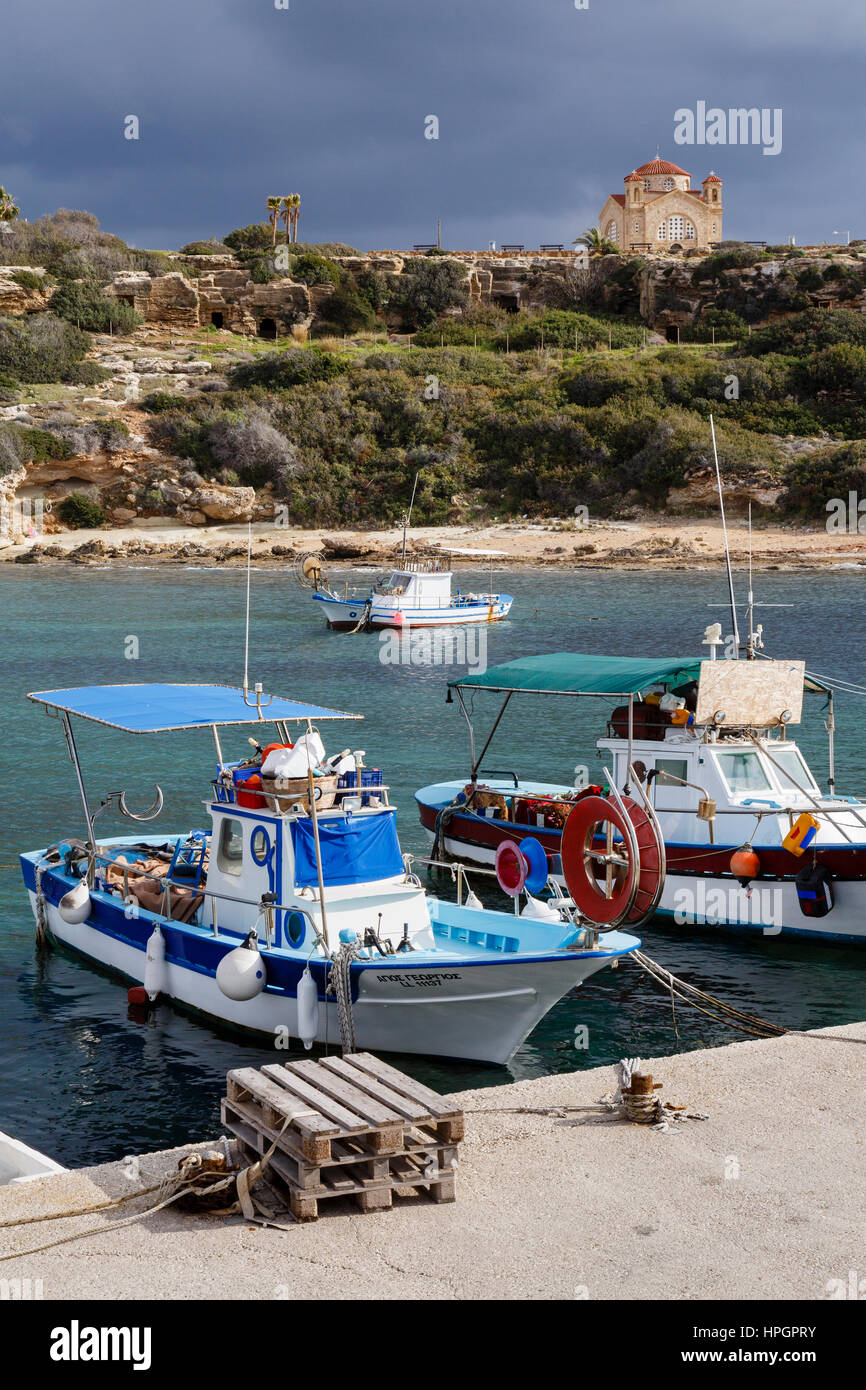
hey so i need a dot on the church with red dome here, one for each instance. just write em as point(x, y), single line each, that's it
point(660, 210)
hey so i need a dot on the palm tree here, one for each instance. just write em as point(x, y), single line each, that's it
point(8, 210)
point(274, 205)
point(296, 214)
point(285, 213)
point(595, 243)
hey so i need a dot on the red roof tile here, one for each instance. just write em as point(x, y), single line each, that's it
point(712, 178)
point(660, 166)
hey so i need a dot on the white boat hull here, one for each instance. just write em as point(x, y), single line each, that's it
point(768, 909)
point(19, 1163)
point(480, 1011)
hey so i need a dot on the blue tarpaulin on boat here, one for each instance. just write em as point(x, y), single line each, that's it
point(152, 709)
point(357, 849)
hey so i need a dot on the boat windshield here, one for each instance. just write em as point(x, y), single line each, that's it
point(791, 769)
point(398, 583)
point(743, 771)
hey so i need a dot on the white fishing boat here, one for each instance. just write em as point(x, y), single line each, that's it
point(417, 594)
point(292, 912)
point(20, 1163)
point(751, 842)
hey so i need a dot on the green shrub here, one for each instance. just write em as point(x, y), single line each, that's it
point(41, 348)
point(257, 237)
point(157, 402)
point(314, 269)
point(729, 257)
point(82, 302)
point(87, 374)
point(840, 367)
point(427, 288)
point(29, 280)
point(346, 311)
point(37, 445)
point(813, 481)
point(212, 247)
point(808, 332)
point(278, 371)
point(566, 328)
point(80, 512)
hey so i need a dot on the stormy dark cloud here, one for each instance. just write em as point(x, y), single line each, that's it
point(542, 108)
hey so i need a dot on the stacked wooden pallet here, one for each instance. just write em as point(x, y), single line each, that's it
point(348, 1126)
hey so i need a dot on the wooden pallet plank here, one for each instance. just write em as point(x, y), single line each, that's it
point(239, 1121)
point(404, 1085)
point(347, 1120)
point(402, 1105)
point(343, 1091)
point(268, 1092)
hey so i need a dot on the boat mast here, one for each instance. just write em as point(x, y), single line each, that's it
point(408, 517)
point(727, 547)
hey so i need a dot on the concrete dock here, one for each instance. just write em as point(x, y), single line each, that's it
point(764, 1199)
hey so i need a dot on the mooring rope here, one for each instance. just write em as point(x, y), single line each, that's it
point(339, 979)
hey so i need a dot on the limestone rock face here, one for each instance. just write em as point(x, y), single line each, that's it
point(220, 503)
point(173, 300)
point(14, 298)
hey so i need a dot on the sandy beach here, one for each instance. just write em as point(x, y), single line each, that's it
point(763, 1199)
point(659, 542)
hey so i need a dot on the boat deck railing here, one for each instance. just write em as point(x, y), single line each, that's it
point(264, 908)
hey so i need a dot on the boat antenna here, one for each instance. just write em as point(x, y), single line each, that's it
point(247, 622)
point(727, 547)
point(257, 703)
point(408, 517)
point(750, 640)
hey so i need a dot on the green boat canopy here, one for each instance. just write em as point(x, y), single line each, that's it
point(575, 673)
point(572, 673)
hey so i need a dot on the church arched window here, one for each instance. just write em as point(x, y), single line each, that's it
point(662, 231)
point(669, 183)
point(675, 228)
point(646, 185)
point(611, 231)
point(690, 231)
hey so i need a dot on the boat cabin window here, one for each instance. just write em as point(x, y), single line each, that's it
point(791, 770)
point(230, 851)
point(670, 795)
point(398, 583)
point(743, 772)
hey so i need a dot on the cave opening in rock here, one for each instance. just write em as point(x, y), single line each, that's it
point(672, 333)
point(216, 319)
point(268, 328)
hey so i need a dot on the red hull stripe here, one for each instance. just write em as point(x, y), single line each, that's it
point(700, 860)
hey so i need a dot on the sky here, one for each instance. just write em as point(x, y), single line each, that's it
point(542, 110)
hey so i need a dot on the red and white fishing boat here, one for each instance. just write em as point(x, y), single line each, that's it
point(751, 842)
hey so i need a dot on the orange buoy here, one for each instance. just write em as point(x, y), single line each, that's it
point(137, 995)
point(745, 864)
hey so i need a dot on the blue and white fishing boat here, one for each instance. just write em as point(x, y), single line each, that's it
point(416, 594)
point(292, 912)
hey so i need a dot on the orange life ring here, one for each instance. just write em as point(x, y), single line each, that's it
point(632, 888)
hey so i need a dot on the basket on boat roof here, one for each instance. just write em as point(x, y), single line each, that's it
point(290, 793)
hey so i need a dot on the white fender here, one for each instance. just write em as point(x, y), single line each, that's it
point(241, 973)
point(155, 972)
point(308, 1009)
point(74, 906)
point(539, 911)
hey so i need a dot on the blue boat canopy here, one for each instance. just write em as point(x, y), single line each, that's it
point(156, 709)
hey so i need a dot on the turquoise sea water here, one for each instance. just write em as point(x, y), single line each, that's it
point(82, 1080)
